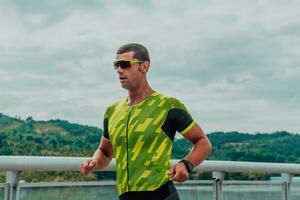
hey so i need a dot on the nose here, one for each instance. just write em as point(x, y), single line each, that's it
point(119, 70)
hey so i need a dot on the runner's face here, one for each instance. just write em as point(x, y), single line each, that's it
point(129, 77)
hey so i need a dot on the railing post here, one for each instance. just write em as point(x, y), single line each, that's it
point(286, 185)
point(218, 185)
point(6, 191)
point(12, 178)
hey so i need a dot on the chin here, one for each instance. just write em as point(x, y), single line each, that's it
point(125, 87)
point(128, 87)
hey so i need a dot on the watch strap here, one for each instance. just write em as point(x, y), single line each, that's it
point(188, 164)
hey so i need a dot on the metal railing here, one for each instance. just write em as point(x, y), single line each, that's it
point(14, 165)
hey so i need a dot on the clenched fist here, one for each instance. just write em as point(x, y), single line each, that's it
point(88, 165)
point(179, 173)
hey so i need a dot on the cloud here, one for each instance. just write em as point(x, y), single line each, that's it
point(234, 64)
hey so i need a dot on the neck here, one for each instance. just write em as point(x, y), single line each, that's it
point(139, 94)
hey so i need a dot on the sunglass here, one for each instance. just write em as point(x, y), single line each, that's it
point(125, 63)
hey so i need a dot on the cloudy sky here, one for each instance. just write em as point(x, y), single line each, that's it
point(235, 64)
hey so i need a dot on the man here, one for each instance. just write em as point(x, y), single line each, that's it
point(139, 132)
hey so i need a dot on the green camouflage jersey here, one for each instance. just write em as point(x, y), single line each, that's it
point(142, 137)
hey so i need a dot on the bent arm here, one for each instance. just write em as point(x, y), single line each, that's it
point(201, 149)
point(103, 154)
point(201, 145)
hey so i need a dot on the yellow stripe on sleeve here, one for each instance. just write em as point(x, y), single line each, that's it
point(188, 128)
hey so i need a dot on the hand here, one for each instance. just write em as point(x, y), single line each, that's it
point(179, 172)
point(88, 165)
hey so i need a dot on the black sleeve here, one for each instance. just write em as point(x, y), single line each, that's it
point(105, 129)
point(181, 119)
point(177, 120)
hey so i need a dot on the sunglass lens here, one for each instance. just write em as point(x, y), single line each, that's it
point(121, 63)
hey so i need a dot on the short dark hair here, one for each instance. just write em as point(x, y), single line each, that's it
point(140, 51)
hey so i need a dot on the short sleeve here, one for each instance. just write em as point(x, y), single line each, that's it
point(181, 119)
point(105, 126)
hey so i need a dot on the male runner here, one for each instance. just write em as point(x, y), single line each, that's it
point(139, 131)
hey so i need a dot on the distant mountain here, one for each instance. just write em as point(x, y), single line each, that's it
point(62, 138)
point(62, 127)
point(49, 138)
point(52, 137)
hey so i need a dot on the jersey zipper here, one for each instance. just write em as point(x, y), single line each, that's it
point(128, 148)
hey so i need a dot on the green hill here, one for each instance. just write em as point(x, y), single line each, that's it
point(46, 138)
point(62, 138)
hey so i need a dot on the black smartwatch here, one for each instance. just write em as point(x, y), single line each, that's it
point(188, 164)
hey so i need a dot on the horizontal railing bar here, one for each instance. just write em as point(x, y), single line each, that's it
point(195, 182)
point(68, 184)
point(113, 183)
point(97, 183)
point(233, 182)
point(101, 183)
point(248, 167)
point(42, 163)
point(270, 182)
point(236, 182)
point(204, 185)
point(2, 185)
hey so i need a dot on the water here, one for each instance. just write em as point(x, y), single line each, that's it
point(257, 192)
point(195, 191)
point(200, 190)
point(1, 194)
point(2, 186)
point(69, 193)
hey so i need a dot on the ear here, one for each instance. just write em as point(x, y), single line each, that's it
point(145, 66)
